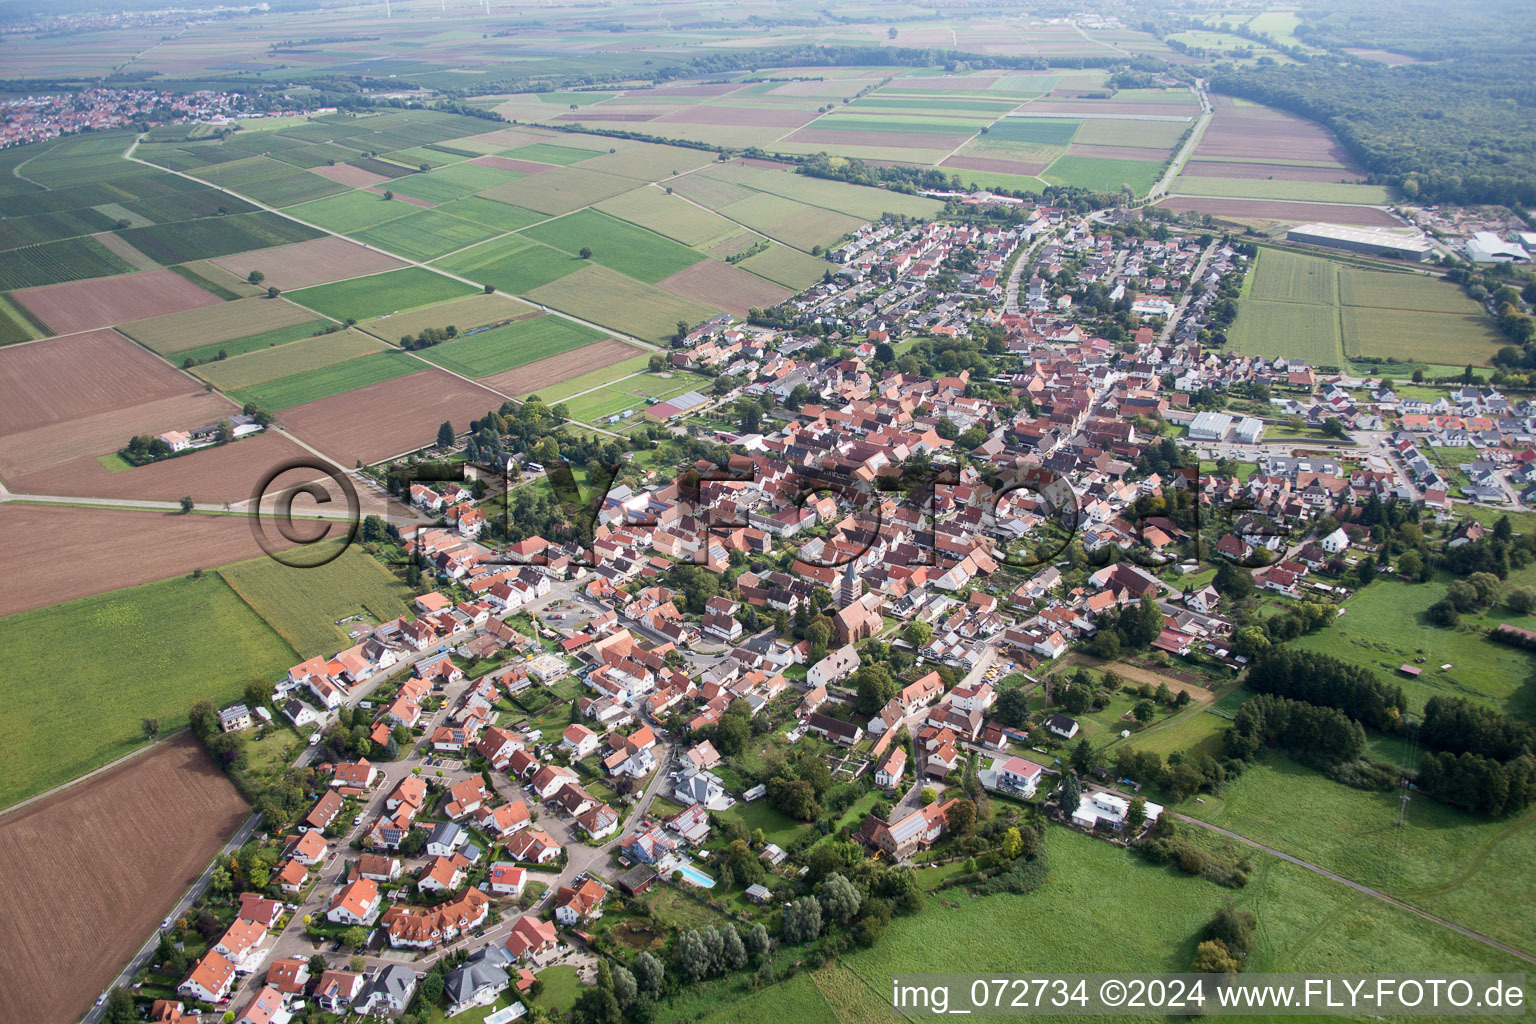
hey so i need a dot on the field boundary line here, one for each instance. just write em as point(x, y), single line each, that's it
point(61, 787)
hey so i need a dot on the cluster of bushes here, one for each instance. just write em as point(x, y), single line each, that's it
point(1165, 845)
point(1311, 731)
point(761, 245)
point(428, 337)
point(1225, 941)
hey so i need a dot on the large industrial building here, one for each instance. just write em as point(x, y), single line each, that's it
point(1218, 426)
point(1487, 247)
point(1367, 240)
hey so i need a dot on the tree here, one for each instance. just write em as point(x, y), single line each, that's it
point(388, 194)
point(1071, 795)
point(1232, 581)
point(356, 936)
point(255, 277)
point(733, 949)
point(488, 289)
point(1013, 843)
point(1410, 564)
point(1520, 600)
point(1082, 757)
point(875, 688)
point(1212, 957)
point(757, 941)
point(431, 989)
point(961, 816)
point(187, 504)
point(802, 921)
point(151, 727)
point(918, 633)
point(1136, 814)
point(120, 1008)
point(1144, 711)
point(625, 989)
point(317, 966)
point(1012, 706)
point(586, 252)
point(649, 974)
point(693, 958)
point(445, 435)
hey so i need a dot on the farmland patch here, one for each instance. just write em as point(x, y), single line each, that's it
point(364, 297)
point(86, 305)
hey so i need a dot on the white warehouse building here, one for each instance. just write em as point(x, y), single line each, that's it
point(1216, 426)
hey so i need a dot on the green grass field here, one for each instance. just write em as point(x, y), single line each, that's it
point(292, 359)
point(1102, 175)
point(616, 244)
point(302, 605)
point(560, 192)
point(513, 264)
point(1147, 921)
point(789, 221)
point(81, 675)
point(548, 153)
point(621, 303)
point(365, 297)
point(1383, 627)
point(503, 348)
point(1463, 868)
point(629, 394)
point(286, 392)
point(852, 200)
point(501, 216)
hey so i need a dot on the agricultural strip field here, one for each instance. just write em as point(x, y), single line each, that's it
point(69, 260)
point(670, 215)
point(303, 606)
point(87, 305)
point(351, 211)
point(630, 394)
point(512, 264)
point(630, 250)
point(391, 417)
point(1294, 305)
point(734, 290)
point(490, 213)
point(789, 221)
point(568, 190)
point(123, 547)
point(309, 263)
point(290, 360)
point(1277, 188)
point(466, 314)
point(280, 393)
point(363, 298)
point(592, 379)
point(215, 324)
point(1102, 175)
point(102, 873)
point(144, 651)
point(503, 348)
point(602, 296)
point(1280, 210)
point(426, 234)
point(789, 267)
point(215, 236)
point(254, 342)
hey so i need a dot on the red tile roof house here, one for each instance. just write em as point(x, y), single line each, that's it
point(210, 978)
point(576, 904)
point(530, 937)
point(355, 903)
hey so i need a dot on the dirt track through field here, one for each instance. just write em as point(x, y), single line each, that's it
point(93, 870)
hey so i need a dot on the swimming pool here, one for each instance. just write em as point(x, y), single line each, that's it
point(693, 874)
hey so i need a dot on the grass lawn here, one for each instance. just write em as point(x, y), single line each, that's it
point(377, 294)
point(777, 827)
point(1466, 869)
point(1383, 627)
point(302, 605)
point(502, 348)
point(562, 985)
point(81, 675)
